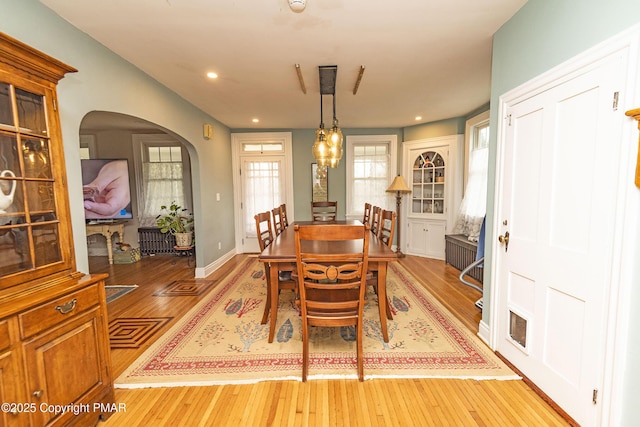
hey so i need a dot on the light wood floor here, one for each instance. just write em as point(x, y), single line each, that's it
point(379, 402)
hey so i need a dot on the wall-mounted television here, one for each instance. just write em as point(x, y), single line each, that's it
point(107, 189)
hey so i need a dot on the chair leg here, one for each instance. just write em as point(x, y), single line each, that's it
point(305, 351)
point(359, 350)
point(265, 314)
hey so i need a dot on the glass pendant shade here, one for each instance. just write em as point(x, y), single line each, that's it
point(321, 150)
point(334, 141)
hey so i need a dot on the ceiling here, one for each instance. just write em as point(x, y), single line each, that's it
point(427, 58)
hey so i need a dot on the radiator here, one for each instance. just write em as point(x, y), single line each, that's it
point(460, 253)
point(153, 242)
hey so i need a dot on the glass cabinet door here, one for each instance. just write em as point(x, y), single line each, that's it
point(428, 183)
point(29, 225)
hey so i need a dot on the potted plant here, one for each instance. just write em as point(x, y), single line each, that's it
point(176, 221)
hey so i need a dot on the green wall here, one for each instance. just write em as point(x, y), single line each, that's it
point(540, 36)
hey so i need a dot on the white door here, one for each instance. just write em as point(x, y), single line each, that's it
point(262, 190)
point(263, 181)
point(556, 196)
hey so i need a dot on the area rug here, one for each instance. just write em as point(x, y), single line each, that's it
point(221, 340)
point(116, 291)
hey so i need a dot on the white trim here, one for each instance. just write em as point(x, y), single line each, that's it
point(392, 142)
point(202, 272)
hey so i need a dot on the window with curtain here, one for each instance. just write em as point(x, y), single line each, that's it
point(371, 167)
point(163, 172)
point(474, 204)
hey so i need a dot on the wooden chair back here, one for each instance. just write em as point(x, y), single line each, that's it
point(278, 227)
point(264, 230)
point(387, 227)
point(283, 215)
point(324, 211)
point(285, 279)
point(366, 219)
point(332, 282)
point(375, 219)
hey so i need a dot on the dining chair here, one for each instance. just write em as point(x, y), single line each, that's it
point(285, 279)
point(324, 211)
point(278, 227)
point(332, 285)
point(375, 219)
point(366, 219)
point(385, 234)
point(283, 215)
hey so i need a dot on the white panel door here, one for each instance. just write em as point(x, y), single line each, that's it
point(557, 198)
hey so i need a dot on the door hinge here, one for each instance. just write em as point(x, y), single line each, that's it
point(55, 104)
point(508, 119)
point(595, 396)
point(615, 100)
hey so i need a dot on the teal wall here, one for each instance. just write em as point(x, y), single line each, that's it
point(105, 82)
point(543, 34)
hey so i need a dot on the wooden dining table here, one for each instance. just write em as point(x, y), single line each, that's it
point(281, 254)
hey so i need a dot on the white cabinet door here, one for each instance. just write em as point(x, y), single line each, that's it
point(426, 238)
point(416, 238)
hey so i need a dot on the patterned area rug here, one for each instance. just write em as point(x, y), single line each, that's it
point(116, 291)
point(221, 340)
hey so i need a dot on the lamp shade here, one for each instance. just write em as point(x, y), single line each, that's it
point(398, 185)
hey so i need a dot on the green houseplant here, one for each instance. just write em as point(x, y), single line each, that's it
point(176, 221)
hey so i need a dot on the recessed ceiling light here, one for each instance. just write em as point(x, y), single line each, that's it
point(255, 120)
point(212, 75)
point(418, 117)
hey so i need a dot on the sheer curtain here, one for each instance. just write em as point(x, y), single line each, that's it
point(162, 185)
point(474, 204)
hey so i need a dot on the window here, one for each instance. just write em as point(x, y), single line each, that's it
point(474, 204)
point(371, 167)
point(163, 175)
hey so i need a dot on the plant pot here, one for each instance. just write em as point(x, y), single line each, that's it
point(184, 239)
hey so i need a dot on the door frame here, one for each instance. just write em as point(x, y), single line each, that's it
point(237, 139)
point(623, 271)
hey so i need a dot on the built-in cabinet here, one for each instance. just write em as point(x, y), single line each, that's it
point(433, 169)
point(54, 343)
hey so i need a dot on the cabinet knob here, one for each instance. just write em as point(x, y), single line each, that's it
point(38, 393)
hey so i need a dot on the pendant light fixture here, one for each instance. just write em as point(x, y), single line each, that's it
point(327, 148)
point(320, 147)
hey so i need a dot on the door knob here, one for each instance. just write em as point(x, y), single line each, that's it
point(504, 240)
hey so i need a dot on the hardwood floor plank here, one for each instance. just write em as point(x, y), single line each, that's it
point(373, 403)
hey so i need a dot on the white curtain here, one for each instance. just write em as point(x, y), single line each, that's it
point(162, 185)
point(474, 204)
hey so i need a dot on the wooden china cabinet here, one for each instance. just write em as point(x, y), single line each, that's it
point(55, 365)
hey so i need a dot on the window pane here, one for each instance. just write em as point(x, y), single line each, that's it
point(31, 116)
point(6, 116)
point(370, 175)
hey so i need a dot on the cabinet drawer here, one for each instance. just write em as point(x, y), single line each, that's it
point(5, 341)
point(53, 312)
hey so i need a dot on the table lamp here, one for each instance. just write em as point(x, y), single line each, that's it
point(398, 186)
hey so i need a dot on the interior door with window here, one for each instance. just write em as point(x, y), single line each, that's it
point(262, 181)
point(262, 190)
